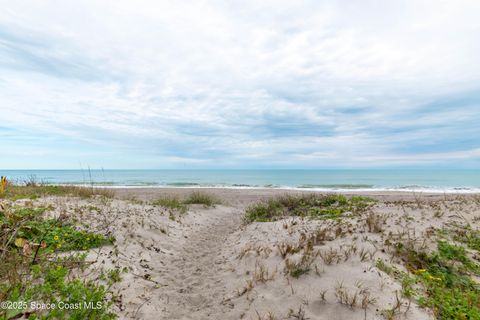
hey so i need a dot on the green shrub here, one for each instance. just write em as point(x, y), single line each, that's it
point(197, 197)
point(312, 205)
point(171, 203)
point(35, 191)
point(55, 234)
point(31, 270)
point(449, 290)
point(266, 211)
point(51, 283)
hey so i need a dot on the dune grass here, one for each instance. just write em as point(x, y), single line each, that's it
point(196, 197)
point(468, 236)
point(16, 192)
point(206, 199)
point(311, 205)
point(173, 203)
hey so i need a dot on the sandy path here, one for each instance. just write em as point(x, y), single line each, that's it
point(195, 288)
point(197, 265)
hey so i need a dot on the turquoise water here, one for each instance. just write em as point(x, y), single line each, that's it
point(420, 180)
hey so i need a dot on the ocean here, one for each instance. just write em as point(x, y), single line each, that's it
point(465, 181)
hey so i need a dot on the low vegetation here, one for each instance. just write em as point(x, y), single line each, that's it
point(446, 276)
point(34, 190)
point(3, 185)
point(196, 197)
point(468, 236)
point(173, 203)
point(312, 205)
point(41, 263)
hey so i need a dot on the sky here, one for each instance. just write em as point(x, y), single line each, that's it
point(239, 84)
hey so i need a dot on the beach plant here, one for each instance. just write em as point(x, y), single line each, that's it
point(35, 190)
point(173, 203)
point(51, 283)
point(446, 279)
point(286, 249)
point(359, 297)
point(196, 197)
point(312, 205)
point(392, 312)
point(56, 234)
point(301, 266)
point(3, 185)
point(35, 267)
point(468, 236)
point(261, 273)
point(330, 256)
point(450, 291)
point(381, 265)
point(299, 314)
point(114, 275)
point(296, 269)
point(267, 316)
point(375, 222)
point(265, 211)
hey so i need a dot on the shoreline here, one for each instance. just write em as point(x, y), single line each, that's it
point(387, 190)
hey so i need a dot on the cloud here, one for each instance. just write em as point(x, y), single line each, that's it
point(240, 83)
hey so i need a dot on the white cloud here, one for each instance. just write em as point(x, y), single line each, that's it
point(245, 81)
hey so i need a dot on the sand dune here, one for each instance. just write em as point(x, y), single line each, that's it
point(208, 263)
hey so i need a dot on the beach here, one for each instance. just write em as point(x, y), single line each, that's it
point(209, 261)
point(253, 160)
point(243, 197)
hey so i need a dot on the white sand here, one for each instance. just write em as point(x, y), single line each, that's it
point(208, 264)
